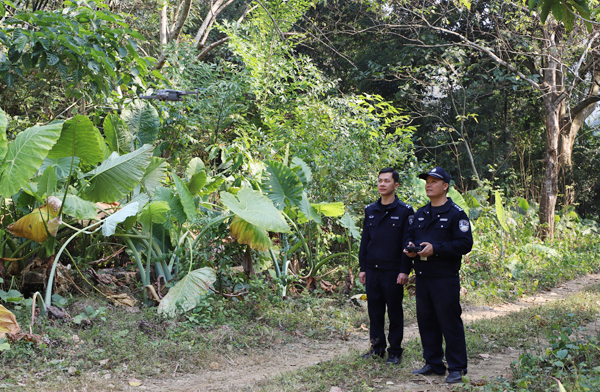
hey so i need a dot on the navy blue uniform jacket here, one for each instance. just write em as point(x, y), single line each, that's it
point(449, 231)
point(384, 235)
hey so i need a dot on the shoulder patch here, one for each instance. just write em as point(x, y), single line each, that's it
point(457, 206)
point(407, 206)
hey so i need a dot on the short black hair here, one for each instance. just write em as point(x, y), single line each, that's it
point(395, 174)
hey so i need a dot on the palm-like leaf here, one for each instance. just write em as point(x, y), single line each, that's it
point(118, 175)
point(80, 138)
point(142, 120)
point(188, 292)
point(247, 233)
point(255, 208)
point(25, 155)
point(280, 184)
point(117, 134)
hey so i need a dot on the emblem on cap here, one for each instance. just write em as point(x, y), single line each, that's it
point(463, 225)
point(433, 170)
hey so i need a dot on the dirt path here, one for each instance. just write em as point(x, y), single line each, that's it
point(236, 371)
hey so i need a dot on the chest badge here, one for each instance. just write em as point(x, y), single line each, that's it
point(371, 216)
point(421, 219)
point(394, 217)
point(463, 225)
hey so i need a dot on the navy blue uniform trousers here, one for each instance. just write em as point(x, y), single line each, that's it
point(438, 314)
point(383, 290)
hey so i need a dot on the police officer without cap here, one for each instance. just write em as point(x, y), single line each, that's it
point(383, 266)
point(443, 231)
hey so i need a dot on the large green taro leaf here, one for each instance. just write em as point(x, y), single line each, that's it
point(500, 211)
point(330, 209)
point(188, 292)
point(110, 223)
point(280, 184)
point(249, 234)
point(25, 156)
point(176, 208)
point(142, 120)
point(78, 208)
point(155, 173)
point(255, 208)
point(80, 138)
point(3, 139)
point(118, 175)
point(155, 212)
point(117, 134)
point(187, 201)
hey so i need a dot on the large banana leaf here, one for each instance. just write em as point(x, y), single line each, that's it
point(155, 173)
point(187, 201)
point(3, 139)
point(188, 292)
point(117, 134)
point(247, 233)
point(176, 208)
point(254, 207)
point(25, 156)
point(80, 138)
point(155, 212)
point(280, 184)
point(142, 120)
point(458, 199)
point(118, 175)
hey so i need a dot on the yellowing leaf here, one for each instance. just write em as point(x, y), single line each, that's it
point(134, 382)
point(31, 226)
point(8, 322)
point(247, 233)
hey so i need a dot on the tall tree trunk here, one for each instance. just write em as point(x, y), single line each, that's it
point(550, 183)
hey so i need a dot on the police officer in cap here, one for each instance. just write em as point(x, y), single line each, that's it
point(384, 267)
point(442, 230)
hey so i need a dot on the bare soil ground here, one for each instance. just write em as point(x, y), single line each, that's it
point(236, 371)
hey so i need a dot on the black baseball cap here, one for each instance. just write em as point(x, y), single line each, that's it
point(436, 172)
